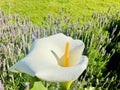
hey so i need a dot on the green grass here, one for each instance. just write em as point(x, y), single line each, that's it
point(37, 9)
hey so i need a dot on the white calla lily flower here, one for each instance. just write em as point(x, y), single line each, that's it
point(56, 58)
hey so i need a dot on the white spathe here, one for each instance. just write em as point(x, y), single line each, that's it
point(45, 59)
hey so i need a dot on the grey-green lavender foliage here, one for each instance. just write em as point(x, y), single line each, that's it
point(17, 35)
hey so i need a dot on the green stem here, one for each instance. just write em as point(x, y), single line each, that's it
point(65, 85)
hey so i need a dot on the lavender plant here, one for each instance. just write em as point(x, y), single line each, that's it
point(16, 36)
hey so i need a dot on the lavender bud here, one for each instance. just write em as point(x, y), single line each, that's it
point(1, 85)
point(89, 25)
point(11, 27)
point(33, 38)
point(13, 34)
point(23, 38)
point(27, 86)
point(60, 12)
point(8, 5)
point(3, 36)
point(83, 27)
point(109, 16)
point(23, 29)
point(49, 16)
point(28, 19)
point(16, 16)
point(3, 48)
point(1, 21)
point(101, 20)
point(36, 34)
point(16, 50)
point(2, 13)
point(63, 8)
point(5, 20)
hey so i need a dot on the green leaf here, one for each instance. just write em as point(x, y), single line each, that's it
point(38, 86)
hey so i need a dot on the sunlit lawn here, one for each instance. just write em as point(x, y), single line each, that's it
point(37, 9)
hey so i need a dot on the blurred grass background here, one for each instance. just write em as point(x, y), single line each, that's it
point(37, 9)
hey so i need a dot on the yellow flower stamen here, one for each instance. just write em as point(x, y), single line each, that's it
point(66, 55)
point(66, 85)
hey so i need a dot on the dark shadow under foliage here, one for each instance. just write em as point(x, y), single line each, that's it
point(113, 65)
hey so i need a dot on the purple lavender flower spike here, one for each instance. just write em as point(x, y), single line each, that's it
point(33, 38)
point(23, 29)
point(5, 19)
point(3, 47)
point(11, 27)
point(13, 34)
point(1, 21)
point(36, 33)
point(0, 15)
point(27, 86)
point(2, 12)
point(1, 86)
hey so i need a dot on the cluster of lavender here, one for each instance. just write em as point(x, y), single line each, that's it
point(16, 36)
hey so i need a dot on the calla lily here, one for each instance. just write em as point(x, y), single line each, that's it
point(57, 58)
